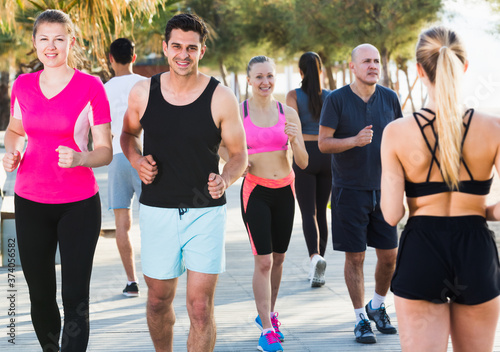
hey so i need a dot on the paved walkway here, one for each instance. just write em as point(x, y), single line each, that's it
point(313, 319)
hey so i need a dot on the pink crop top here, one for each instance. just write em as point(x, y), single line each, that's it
point(265, 139)
point(64, 119)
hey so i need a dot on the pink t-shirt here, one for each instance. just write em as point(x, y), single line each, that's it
point(65, 120)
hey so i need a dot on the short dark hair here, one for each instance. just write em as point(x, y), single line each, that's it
point(122, 50)
point(187, 22)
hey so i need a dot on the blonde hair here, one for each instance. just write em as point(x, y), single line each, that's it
point(259, 60)
point(58, 16)
point(442, 55)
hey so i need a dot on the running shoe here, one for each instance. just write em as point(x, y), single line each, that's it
point(269, 343)
point(131, 290)
point(363, 331)
point(381, 319)
point(276, 325)
point(317, 271)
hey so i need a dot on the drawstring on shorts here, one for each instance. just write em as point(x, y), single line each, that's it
point(182, 211)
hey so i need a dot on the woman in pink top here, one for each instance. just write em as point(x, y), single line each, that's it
point(268, 199)
point(56, 194)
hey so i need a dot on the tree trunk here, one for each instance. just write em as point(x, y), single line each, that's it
point(409, 95)
point(223, 72)
point(386, 75)
point(351, 78)
point(410, 89)
point(236, 88)
point(397, 84)
point(4, 100)
point(345, 67)
point(331, 81)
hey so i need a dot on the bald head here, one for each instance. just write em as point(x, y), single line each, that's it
point(365, 65)
point(362, 48)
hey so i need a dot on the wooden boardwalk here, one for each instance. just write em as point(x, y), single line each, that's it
point(313, 319)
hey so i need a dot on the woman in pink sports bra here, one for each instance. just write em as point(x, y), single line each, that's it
point(267, 194)
point(56, 194)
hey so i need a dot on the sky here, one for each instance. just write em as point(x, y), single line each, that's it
point(479, 29)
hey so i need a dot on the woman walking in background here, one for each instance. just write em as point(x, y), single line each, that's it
point(447, 277)
point(267, 194)
point(313, 184)
point(56, 194)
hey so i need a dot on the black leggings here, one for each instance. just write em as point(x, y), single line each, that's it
point(313, 186)
point(40, 227)
point(268, 213)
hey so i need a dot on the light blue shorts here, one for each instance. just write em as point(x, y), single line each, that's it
point(173, 240)
point(123, 182)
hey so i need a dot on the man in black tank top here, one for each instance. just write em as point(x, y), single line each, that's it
point(185, 115)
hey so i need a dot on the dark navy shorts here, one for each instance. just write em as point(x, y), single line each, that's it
point(447, 259)
point(357, 221)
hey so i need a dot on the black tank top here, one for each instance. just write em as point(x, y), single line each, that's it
point(184, 142)
point(427, 188)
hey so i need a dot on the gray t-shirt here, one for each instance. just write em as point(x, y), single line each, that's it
point(360, 167)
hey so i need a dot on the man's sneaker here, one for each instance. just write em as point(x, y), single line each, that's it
point(276, 325)
point(131, 290)
point(381, 319)
point(317, 271)
point(269, 343)
point(363, 331)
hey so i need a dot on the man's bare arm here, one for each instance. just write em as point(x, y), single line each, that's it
point(130, 139)
point(225, 109)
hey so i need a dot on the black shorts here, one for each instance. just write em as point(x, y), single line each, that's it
point(357, 221)
point(444, 259)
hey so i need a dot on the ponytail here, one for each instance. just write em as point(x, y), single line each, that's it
point(449, 115)
point(442, 57)
point(310, 65)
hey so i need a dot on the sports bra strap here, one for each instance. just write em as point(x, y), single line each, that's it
point(430, 122)
point(281, 108)
point(245, 109)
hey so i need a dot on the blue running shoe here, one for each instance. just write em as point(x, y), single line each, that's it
point(269, 343)
point(276, 325)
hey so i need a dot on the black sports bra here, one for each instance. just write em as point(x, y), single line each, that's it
point(427, 188)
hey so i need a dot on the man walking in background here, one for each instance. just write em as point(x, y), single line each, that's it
point(123, 180)
point(351, 125)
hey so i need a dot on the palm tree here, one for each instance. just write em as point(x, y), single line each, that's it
point(97, 24)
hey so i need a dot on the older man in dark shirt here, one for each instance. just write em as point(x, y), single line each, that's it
point(352, 120)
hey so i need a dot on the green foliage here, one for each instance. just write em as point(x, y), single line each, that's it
point(148, 32)
point(320, 27)
point(390, 25)
point(239, 28)
point(225, 45)
point(97, 22)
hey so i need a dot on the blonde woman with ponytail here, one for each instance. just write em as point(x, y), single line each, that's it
point(447, 277)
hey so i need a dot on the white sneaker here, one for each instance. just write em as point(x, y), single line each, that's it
point(317, 271)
